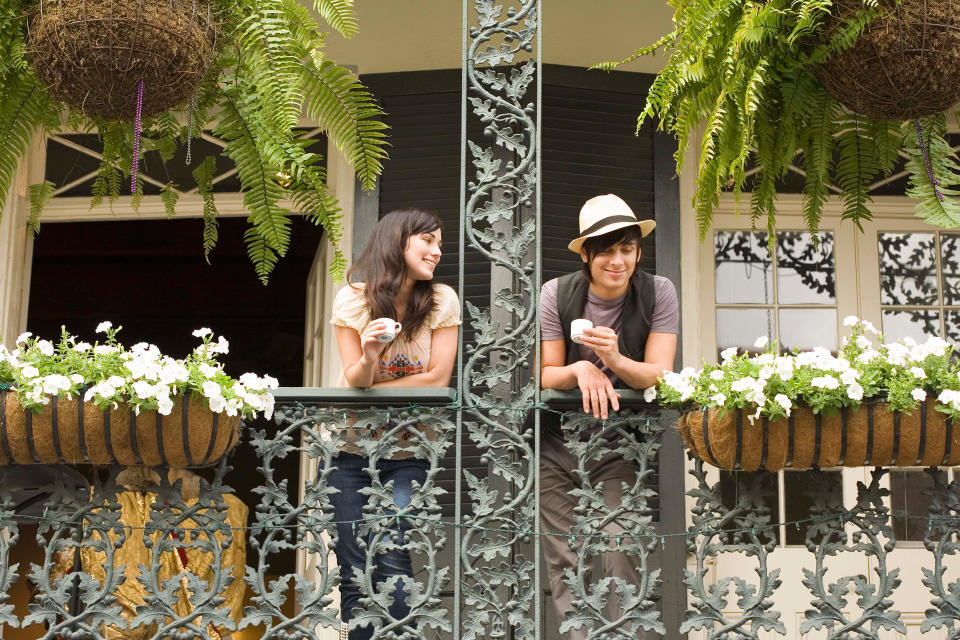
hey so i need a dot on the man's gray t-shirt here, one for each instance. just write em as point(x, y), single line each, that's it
point(608, 313)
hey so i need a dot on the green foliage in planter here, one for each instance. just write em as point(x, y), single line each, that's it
point(746, 71)
point(268, 68)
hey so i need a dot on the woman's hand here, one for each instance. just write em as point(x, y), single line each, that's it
point(605, 343)
point(370, 346)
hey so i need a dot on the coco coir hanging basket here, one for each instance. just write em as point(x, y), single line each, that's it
point(870, 435)
point(70, 430)
point(905, 65)
point(92, 54)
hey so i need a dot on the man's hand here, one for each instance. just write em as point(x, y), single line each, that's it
point(597, 390)
point(605, 343)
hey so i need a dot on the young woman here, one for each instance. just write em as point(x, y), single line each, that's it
point(397, 270)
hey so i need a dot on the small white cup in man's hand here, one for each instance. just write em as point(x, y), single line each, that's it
point(577, 327)
point(392, 329)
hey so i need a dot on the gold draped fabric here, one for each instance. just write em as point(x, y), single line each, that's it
point(135, 514)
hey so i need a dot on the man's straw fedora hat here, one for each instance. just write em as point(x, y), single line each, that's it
point(603, 214)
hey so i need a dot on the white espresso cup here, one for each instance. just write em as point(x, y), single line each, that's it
point(577, 328)
point(392, 329)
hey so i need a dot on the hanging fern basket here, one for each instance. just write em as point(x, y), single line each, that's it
point(905, 65)
point(92, 54)
point(870, 435)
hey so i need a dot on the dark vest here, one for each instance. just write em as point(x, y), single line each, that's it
point(636, 318)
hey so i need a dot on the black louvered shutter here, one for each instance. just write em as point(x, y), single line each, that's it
point(423, 111)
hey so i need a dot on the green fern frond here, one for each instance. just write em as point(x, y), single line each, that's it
point(818, 145)
point(169, 196)
point(21, 113)
point(349, 115)
point(664, 41)
point(203, 175)
point(944, 164)
point(269, 236)
point(40, 195)
point(857, 166)
point(339, 15)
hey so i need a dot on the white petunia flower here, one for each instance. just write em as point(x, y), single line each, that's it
point(919, 395)
point(918, 373)
point(76, 378)
point(784, 401)
point(716, 374)
point(849, 376)
point(202, 332)
point(850, 321)
point(221, 346)
point(863, 342)
point(825, 382)
point(164, 405)
point(29, 371)
point(869, 327)
point(650, 394)
point(217, 403)
point(208, 371)
point(55, 383)
point(855, 391)
point(719, 399)
point(765, 358)
point(784, 366)
point(23, 337)
point(45, 347)
point(761, 342)
point(81, 347)
point(104, 349)
point(144, 389)
point(211, 389)
point(103, 326)
point(728, 353)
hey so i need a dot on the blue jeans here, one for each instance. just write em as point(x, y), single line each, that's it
point(349, 477)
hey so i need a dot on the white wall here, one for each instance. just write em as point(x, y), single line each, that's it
point(426, 34)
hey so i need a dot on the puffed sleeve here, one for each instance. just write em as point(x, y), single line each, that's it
point(446, 311)
point(350, 309)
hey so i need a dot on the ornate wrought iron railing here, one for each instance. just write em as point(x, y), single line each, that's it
point(129, 553)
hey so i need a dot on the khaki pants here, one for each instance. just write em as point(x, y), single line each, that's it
point(557, 481)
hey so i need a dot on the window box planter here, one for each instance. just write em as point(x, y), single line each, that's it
point(70, 430)
point(870, 435)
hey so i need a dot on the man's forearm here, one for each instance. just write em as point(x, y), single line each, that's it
point(637, 375)
point(562, 378)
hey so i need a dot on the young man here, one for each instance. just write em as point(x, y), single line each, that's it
point(633, 340)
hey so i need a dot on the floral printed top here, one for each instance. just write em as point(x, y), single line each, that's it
point(401, 357)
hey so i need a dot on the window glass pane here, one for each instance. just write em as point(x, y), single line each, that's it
point(741, 327)
point(909, 503)
point(908, 269)
point(951, 325)
point(743, 266)
point(950, 267)
point(808, 328)
point(805, 274)
point(799, 490)
point(917, 324)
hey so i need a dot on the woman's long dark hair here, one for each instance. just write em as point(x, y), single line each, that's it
point(382, 267)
